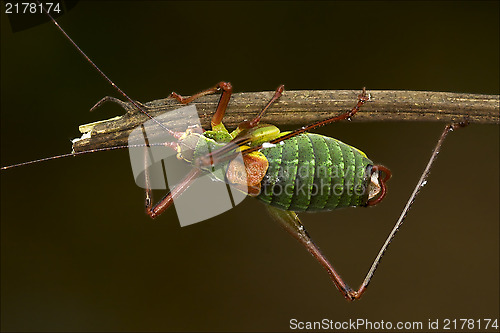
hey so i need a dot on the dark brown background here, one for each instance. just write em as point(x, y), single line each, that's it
point(78, 252)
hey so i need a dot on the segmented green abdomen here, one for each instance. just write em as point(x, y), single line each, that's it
point(311, 172)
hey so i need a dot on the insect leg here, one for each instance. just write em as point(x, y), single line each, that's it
point(239, 140)
point(420, 184)
point(255, 121)
point(227, 90)
point(362, 99)
point(166, 201)
point(291, 223)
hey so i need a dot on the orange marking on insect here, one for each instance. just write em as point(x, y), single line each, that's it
point(250, 174)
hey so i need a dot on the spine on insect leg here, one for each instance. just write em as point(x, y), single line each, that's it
point(311, 172)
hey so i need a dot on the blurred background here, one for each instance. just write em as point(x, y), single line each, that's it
point(78, 252)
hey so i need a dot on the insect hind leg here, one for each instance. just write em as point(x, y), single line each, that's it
point(291, 223)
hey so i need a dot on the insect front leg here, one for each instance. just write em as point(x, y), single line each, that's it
point(157, 209)
point(242, 137)
point(227, 90)
point(168, 200)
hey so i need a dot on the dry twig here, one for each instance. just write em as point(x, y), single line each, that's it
point(304, 107)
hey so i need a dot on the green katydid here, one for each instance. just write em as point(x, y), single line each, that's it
point(336, 174)
point(290, 171)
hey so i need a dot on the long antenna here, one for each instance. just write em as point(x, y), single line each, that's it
point(134, 103)
point(137, 105)
point(80, 153)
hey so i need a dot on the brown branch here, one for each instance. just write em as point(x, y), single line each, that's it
point(304, 107)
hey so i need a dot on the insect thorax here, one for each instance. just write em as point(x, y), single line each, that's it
point(193, 145)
